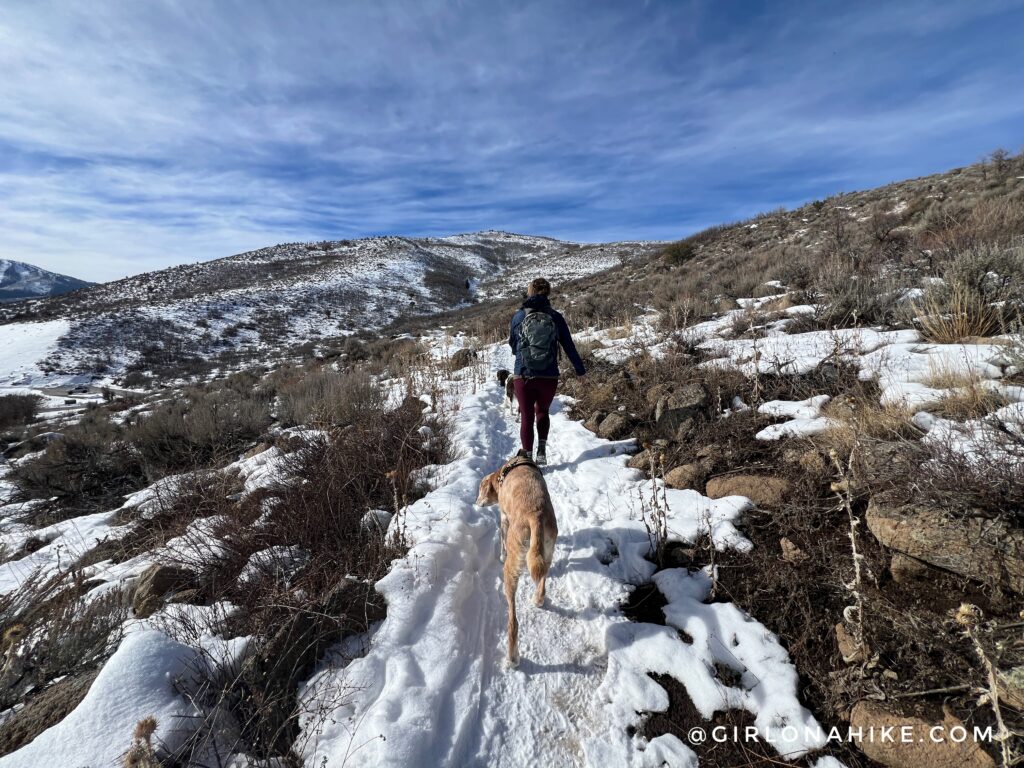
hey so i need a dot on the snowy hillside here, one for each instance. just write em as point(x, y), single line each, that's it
point(19, 280)
point(253, 305)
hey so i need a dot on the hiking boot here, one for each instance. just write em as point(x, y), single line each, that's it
point(524, 454)
point(542, 457)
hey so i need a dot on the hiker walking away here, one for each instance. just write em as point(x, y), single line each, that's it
point(535, 334)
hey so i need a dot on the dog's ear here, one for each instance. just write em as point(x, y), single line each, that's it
point(488, 490)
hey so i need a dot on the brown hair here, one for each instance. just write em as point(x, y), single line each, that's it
point(538, 286)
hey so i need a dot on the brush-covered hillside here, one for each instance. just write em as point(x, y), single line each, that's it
point(291, 298)
point(789, 497)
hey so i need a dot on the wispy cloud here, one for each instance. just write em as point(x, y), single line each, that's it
point(138, 135)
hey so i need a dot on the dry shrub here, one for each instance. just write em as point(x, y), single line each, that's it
point(855, 298)
point(199, 429)
point(98, 461)
point(51, 630)
point(978, 222)
point(90, 468)
point(988, 480)
point(16, 410)
point(327, 397)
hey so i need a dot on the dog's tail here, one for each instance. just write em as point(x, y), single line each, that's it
point(538, 558)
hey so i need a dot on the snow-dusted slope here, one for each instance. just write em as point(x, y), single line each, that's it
point(258, 304)
point(19, 280)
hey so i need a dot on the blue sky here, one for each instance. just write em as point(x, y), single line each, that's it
point(137, 135)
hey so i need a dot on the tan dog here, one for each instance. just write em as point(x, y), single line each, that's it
point(526, 517)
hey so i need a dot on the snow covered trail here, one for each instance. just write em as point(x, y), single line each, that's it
point(434, 688)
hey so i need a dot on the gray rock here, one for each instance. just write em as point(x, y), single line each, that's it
point(614, 426)
point(685, 476)
point(978, 548)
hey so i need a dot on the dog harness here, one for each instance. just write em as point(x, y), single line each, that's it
point(518, 461)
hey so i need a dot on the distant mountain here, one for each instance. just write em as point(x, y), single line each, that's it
point(19, 280)
point(259, 304)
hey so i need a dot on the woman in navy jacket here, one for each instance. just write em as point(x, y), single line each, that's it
point(536, 389)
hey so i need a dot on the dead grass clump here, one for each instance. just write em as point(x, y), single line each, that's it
point(980, 293)
point(859, 416)
point(948, 314)
point(966, 397)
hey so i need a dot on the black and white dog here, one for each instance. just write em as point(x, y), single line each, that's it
point(506, 379)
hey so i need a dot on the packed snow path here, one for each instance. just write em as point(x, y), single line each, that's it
point(434, 688)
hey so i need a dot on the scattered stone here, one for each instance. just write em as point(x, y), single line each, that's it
point(791, 553)
point(849, 649)
point(594, 421)
point(972, 546)
point(765, 491)
point(614, 426)
point(685, 476)
point(156, 582)
point(640, 460)
point(919, 750)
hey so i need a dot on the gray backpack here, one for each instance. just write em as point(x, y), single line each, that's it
point(538, 341)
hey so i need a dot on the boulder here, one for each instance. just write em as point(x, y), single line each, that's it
point(685, 476)
point(655, 393)
point(641, 460)
point(593, 421)
point(920, 748)
point(691, 396)
point(614, 426)
point(978, 548)
point(156, 582)
point(765, 491)
point(676, 411)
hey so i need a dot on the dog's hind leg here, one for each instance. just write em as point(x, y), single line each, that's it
point(513, 565)
point(511, 582)
point(547, 548)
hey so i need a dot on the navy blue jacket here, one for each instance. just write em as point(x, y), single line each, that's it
point(564, 338)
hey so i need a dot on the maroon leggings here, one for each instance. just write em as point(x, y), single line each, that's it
point(534, 396)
